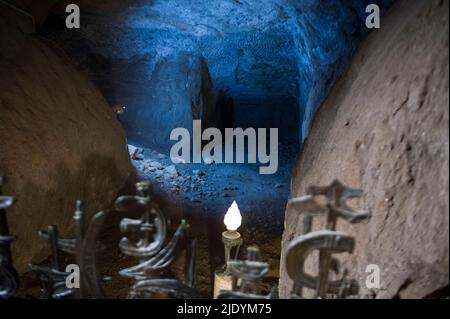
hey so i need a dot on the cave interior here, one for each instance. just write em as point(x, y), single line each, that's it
point(229, 63)
point(259, 64)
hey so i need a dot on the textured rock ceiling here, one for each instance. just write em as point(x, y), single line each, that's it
point(277, 59)
point(216, 17)
point(247, 44)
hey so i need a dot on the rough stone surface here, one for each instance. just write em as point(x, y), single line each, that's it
point(273, 60)
point(384, 129)
point(326, 35)
point(178, 91)
point(59, 141)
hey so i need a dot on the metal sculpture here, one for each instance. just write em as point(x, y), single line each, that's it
point(86, 254)
point(247, 276)
point(84, 248)
point(150, 247)
point(9, 279)
point(151, 227)
point(327, 242)
point(52, 278)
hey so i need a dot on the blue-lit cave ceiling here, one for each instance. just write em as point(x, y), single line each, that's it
point(259, 63)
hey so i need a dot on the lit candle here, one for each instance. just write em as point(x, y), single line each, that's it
point(233, 217)
point(231, 239)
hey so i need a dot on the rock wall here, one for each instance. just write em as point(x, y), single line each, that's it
point(271, 57)
point(246, 47)
point(384, 129)
point(59, 140)
point(177, 91)
point(326, 35)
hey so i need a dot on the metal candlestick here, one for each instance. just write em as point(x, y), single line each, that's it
point(247, 276)
point(230, 239)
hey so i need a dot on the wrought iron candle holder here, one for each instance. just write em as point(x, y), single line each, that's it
point(230, 240)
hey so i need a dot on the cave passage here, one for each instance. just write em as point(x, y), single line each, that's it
point(244, 75)
point(229, 65)
point(258, 64)
point(87, 116)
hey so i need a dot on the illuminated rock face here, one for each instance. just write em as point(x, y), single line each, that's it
point(60, 142)
point(274, 61)
point(178, 91)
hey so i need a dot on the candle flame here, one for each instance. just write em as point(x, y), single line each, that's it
point(233, 217)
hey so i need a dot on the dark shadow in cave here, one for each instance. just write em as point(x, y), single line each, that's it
point(225, 105)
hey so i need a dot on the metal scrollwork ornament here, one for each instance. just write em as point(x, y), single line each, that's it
point(9, 279)
point(147, 240)
point(86, 254)
point(150, 247)
point(52, 278)
point(151, 227)
point(247, 276)
point(327, 242)
point(84, 248)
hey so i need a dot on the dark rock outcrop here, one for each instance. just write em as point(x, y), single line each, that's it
point(59, 141)
point(178, 91)
point(384, 129)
